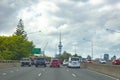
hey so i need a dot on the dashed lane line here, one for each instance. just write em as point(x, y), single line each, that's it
point(39, 74)
point(4, 74)
point(74, 75)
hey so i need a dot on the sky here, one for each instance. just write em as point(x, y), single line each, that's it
point(81, 23)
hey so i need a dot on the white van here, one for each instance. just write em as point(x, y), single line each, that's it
point(74, 62)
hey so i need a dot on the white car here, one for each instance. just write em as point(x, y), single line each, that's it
point(65, 63)
point(102, 61)
point(74, 62)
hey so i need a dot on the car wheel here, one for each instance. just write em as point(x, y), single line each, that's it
point(36, 65)
point(44, 65)
point(79, 67)
point(29, 65)
point(68, 66)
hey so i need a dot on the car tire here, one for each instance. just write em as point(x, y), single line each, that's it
point(29, 65)
point(36, 65)
point(44, 65)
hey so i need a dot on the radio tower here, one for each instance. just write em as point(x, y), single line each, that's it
point(60, 46)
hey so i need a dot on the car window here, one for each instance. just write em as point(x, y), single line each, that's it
point(75, 59)
point(54, 60)
point(25, 59)
point(40, 58)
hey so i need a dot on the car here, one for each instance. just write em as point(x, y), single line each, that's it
point(74, 62)
point(102, 61)
point(40, 62)
point(25, 62)
point(65, 63)
point(89, 61)
point(54, 63)
point(83, 60)
point(116, 62)
point(32, 61)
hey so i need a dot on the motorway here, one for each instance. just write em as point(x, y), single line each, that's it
point(41, 73)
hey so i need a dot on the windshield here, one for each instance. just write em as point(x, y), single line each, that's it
point(54, 60)
point(74, 59)
point(40, 59)
point(25, 59)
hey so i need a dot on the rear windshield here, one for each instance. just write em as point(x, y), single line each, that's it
point(25, 59)
point(75, 59)
point(40, 58)
point(54, 60)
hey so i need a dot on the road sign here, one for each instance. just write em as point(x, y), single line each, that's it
point(36, 51)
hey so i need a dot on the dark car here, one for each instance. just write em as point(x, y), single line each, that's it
point(116, 62)
point(40, 62)
point(54, 63)
point(25, 62)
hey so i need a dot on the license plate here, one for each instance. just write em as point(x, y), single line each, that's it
point(74, 63)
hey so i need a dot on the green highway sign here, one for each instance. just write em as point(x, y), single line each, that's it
point(36, 51)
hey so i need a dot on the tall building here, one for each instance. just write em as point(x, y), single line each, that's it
point(106, 56)
point(60, 45)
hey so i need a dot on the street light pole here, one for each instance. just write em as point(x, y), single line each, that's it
point(92, 48)
point(112, 30)
point(34, 32)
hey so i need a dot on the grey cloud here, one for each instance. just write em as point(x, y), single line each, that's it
point(112, 1)
point(9, 10)
point(79, 0)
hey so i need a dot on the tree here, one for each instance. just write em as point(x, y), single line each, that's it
point(20, 29)
point(75, 55)
point(14, 47)
point(65, 55)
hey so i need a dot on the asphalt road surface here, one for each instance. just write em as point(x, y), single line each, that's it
point(41, 73)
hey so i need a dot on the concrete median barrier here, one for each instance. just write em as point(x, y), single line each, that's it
point(9, 64)
point(111, 70)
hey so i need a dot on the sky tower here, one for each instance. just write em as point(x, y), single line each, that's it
point(60, 45)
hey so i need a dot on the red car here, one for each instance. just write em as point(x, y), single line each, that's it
point(54, 63)
point(116, 62)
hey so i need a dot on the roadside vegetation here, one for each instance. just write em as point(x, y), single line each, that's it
point(16, 46)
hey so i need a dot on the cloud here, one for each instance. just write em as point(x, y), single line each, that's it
point(76, 19)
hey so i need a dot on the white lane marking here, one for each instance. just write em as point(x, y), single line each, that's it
point(104, 75)
point(17, 70)
point(67, 70)
point(11, 71)
point(4, 73)
point(73, 75)
point(39, 74)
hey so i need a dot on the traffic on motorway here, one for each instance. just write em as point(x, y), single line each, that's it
point(72, 62)
point(70, 69)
